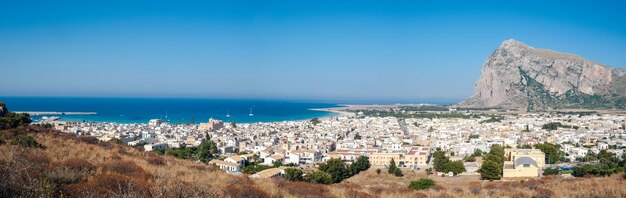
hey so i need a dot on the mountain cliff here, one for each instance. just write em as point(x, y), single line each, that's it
point(517, 76)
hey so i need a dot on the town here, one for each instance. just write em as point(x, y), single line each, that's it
point(534, 142)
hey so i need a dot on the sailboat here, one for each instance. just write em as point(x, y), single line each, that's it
point(228, 113)
point(250, 112)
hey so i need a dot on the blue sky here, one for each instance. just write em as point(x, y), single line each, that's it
point(313, 50)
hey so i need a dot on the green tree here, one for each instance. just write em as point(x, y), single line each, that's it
point(422, 184)
point(477, 153)
point(293, 174)
point(440, 160)
point(277, 163)
point(319, 177)
point(397, 172)
point(392, 166)
point(552, 152)
point(490, 170)
point(336, 169)
point(315, 121)
point(455, 167)
point(378, 171)
point(205, 151)
point(362, 163)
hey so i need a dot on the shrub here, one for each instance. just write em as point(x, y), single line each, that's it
point(249, 191)
point(155, 160)
point(551, 171)
point(78, 164)
point(128, 168)
point(422, 184)
point(376, 190)
point(121, 185)
point(70, 171)
point(88, 139)
point(378, 171)
point(62, 176)
point(439, 188)
point(543, 193)
point(115, 157)
point(351, 193)
point(83, 189)
point(397, 172)
point(13, 120)
point(27, 141)
point(419, 195)
point(475, 190)
point(303, 189)
point(36, 158)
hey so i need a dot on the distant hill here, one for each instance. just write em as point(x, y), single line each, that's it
point(517, 76)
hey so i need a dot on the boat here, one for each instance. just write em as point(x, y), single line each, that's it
point(251, 114)
point(227, 113)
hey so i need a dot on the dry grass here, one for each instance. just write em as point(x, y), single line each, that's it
point(81, 168)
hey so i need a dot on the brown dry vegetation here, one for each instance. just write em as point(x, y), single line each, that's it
point(79, 167)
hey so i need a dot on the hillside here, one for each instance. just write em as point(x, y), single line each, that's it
point(62, 164)
point(517, 76)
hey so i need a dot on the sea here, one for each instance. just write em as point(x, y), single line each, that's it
point(141, 110)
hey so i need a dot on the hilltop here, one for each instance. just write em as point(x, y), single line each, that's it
point(517, 76)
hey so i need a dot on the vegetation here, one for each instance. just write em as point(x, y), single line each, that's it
point(422, 184)
point(255, 168)
point(393, 169)
point(319, 177)
point(293, 174)
point(357, 136)
point(336, 169)
point(607, 164)
point(339, 171)
point(400, 115)
point(424, 108)
point(315, 121)
point(552, 152)
point(553, 126)
point(493, 163)
point(9, 120)
point(27, 141)
point(203, 152)
point(442, 163)
point(551, 171)
point(66, 166)
point(492, 119)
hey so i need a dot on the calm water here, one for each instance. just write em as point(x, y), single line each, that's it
point(140, 110)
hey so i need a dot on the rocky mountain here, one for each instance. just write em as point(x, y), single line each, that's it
point(517, 76)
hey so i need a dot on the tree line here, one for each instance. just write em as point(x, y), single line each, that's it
point(332, 171)
point(204, 152)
